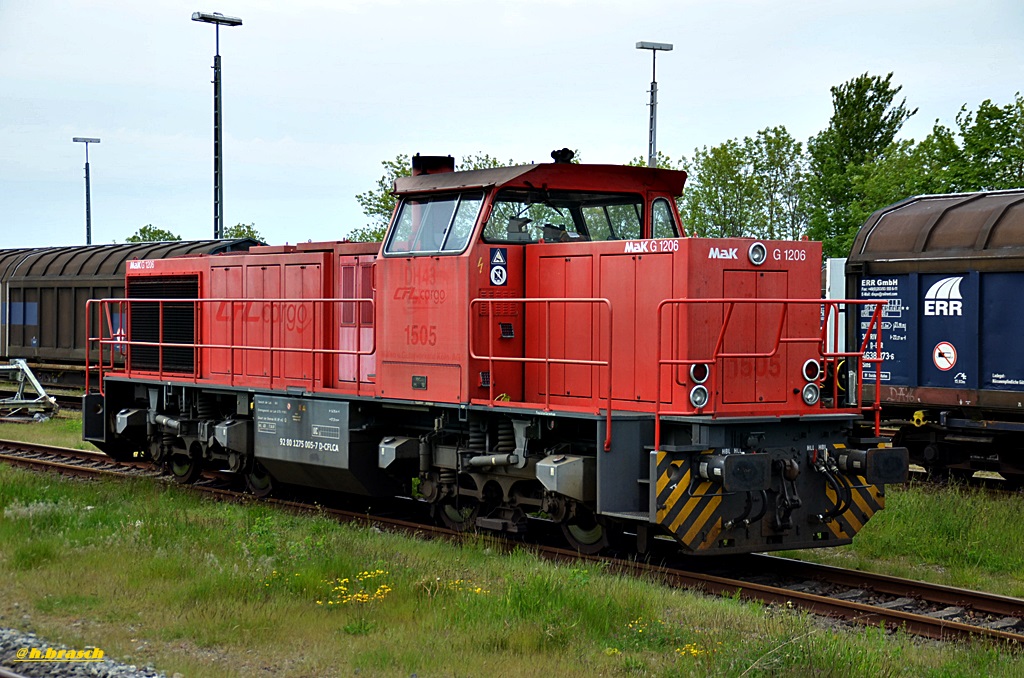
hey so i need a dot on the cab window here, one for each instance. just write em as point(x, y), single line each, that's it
point(527, 215)
point(663, 225)
point(434, 224)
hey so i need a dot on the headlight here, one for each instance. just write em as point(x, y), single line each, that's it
point(757, 254)
point(698, 397)
point(810, 394)
point(699, 373)
point(812, 370)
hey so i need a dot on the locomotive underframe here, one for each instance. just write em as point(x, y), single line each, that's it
point(716, 485)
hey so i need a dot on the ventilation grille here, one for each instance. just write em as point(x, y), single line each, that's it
point(501, 309)
point(178, 323)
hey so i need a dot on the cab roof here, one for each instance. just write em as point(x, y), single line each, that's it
point(552, 176)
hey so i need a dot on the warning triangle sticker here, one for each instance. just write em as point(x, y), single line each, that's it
point(497, 258)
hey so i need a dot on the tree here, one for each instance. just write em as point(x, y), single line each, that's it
point(150, 233)
point(379, 203)
point(988, 156)
point(993, 146)
point(779, 168)
point(721, 199)
point(906, 169)
point(864, 123)
point(752, 187)
point(243, 231)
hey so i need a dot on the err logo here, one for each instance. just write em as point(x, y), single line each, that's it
point(944, 298)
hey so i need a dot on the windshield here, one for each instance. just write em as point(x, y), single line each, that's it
point(434, 224)
point(527, 215)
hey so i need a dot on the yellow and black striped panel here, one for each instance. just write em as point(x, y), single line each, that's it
point(690, 511)
point(867, 499)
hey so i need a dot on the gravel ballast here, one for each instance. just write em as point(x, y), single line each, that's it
point(12, 641)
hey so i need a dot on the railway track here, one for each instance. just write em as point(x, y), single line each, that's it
point(920, 608)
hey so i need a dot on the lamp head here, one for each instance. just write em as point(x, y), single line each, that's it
point(216, 18)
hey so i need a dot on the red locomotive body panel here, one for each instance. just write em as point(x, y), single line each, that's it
point(276, 317)
point(423, 339)
point(634, 277)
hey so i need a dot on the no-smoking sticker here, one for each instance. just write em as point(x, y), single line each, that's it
point(944, 356)
point(499, 266)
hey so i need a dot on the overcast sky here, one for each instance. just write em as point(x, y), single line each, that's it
point(318, 92)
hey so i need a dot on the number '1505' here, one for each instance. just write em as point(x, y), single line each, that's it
point(421, 335)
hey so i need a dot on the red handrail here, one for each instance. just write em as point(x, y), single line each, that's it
point(198, 346)
point(821, 340)
point(547, 360)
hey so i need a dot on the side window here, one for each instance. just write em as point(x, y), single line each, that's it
point(434, 224)
point(662, 223)
point(613, 222)
point(529, 214)
point(462, 224)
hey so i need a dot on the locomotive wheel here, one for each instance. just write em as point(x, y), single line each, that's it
point(585, 532)
point(185, 467)
point(458, 515)
point(258, 480)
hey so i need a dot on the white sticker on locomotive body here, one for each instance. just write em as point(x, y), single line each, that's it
point(789, 254)
point(723, 253)
point(140, 264)
point(650, 246)
point(499, 266)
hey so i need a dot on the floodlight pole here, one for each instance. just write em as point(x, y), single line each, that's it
point(652, 149)
point(217, 19)
point(88, 200)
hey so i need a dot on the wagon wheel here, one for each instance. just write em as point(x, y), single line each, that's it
point(458, 513)
point(585, 531)
point(185, 467)
point(258, 480)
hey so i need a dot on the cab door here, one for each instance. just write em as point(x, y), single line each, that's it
point(423, 294)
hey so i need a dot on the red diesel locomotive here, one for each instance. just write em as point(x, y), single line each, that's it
point(527, 341)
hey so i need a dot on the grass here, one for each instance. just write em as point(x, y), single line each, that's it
point(64, 430)
point(156, 574)
point(956, 535)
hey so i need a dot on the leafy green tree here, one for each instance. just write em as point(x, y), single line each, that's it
point(906, 169)
point(243, 231)
point(993, 146)
point(986, 153)
point(864, 123)
point(750, 187)
point(779, 169)
point(722, 194)
point(150, 233)
point(378, 203)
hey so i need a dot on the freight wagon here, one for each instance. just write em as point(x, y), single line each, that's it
point(950, 269)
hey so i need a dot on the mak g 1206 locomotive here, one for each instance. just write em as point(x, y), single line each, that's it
point(527, 341)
